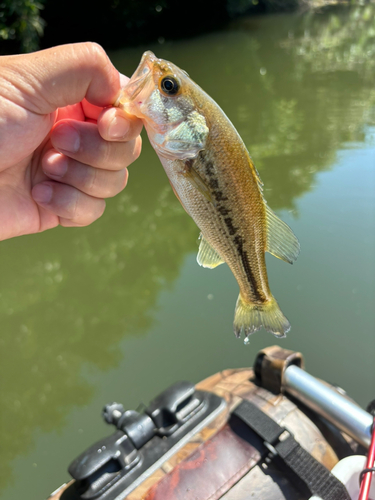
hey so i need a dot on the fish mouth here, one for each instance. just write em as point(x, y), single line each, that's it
point(137, 82)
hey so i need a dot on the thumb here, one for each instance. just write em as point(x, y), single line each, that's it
point(64, 75)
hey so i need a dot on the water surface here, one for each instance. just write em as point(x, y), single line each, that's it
point(119, 310)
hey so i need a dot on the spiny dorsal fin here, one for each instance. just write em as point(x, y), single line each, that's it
point(281, 241)
point(207, 256)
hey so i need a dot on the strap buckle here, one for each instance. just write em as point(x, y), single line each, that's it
point(283, 436)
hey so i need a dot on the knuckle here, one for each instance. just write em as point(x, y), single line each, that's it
point(106, 154)
point(121, 181)
point(90, 179)
point(96, 51)
point(117, 155)
point(72, 207)
point(90, 212)
point(117, 182)
point(98, 210)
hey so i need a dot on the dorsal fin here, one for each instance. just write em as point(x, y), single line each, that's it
point(208, 256)
point(281, 241)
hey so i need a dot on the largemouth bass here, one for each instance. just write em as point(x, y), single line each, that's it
point(214, 178)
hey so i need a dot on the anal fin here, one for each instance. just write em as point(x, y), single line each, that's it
point(208, 256)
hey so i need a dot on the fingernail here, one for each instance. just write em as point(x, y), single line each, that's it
point(66, 138)
point(42, 193)
point(56, 167)
point(118, 128)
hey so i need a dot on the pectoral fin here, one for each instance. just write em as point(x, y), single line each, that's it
point(196, 180)
point(183, 141)
point(208, 256)
point(281, 241)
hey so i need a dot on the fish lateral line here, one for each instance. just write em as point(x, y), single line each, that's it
point(231, 228)
point(224, 210)
point(259, 296)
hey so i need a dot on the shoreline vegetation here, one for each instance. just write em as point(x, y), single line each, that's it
point(28, 25)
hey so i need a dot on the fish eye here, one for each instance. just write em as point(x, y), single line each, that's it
point(170, 85)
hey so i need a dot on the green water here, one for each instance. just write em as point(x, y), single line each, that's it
point(119, 310)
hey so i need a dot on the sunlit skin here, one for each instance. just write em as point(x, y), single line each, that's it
point(64, 148)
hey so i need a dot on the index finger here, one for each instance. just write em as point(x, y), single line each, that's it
point(65, 75)
point(114, 124)
point(91, 111)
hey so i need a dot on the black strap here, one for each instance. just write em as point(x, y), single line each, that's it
point(365, 471)
point(303, 470)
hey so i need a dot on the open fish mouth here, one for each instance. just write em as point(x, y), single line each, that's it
point(138, 81)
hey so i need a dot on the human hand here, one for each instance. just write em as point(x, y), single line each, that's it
point(62, 149)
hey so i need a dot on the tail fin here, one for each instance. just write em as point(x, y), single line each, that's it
point(249, 317)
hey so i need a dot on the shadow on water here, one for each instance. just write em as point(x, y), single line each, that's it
point(67, 297)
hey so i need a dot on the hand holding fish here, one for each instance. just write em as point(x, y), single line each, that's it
point(214, 178)
point(63, 148)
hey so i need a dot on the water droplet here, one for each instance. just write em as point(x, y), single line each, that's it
point(246, 341)
point(158, 8)
point(210, 296)
point(100, 450)
point(263, 71)
point(161, 40)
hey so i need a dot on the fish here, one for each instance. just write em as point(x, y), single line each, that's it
point(215, 180)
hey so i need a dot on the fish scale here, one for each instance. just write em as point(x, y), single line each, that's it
point(214, 178)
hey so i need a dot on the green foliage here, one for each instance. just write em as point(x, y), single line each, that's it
point(120, 23)
point(239, 7)
point(328, 46)
point(21, 23)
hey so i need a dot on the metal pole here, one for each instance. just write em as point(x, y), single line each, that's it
point(343, 413)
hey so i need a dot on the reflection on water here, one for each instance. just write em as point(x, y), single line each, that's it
point(298, 88)
point(70, 298)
